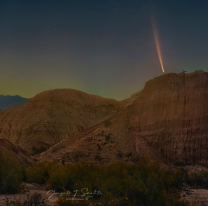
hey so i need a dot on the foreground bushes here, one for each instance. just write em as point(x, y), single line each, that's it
point(39, 173)
point(11, 174)
point(119, 183)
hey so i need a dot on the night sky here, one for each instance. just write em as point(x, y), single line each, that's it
point(103, 47)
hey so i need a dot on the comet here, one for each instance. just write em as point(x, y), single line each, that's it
point(157, 43)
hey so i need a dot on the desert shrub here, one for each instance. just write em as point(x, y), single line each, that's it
point(108, 136)
point(198, 179)
point(174, 179)
point(108, 123)
point(98, 157)
point(11, 174)
point(72, 177)
point(60, 178)
point(38, 173)
point(119, 154)
point(129, 154)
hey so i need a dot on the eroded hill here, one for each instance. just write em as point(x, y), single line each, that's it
point(54, 115)
point(168, 121)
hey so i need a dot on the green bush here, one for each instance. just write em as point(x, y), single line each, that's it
point(38, 173)
point(11, 174)
point(60, 178)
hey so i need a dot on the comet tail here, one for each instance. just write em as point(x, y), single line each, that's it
point(157, 44)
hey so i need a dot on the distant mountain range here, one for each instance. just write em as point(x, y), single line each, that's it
point(8, 101)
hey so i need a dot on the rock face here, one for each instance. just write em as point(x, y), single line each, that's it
point(131, 99)
point(8, 101)
point(104, 143)
point(54, 115)
point(171, 117)
point(168, 121)
point(14, 151)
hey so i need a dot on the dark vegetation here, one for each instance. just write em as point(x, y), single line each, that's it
point(108, 123)
point(199, 179)
point(120, 183)
point(12, 174)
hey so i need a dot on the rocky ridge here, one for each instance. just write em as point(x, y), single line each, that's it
point(171, 117)
point(168, 121)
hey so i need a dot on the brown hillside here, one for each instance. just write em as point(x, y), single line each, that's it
point(54, 115)
point(168, 121)
point(171, 117)
point(14, 151)
point(106, 142)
